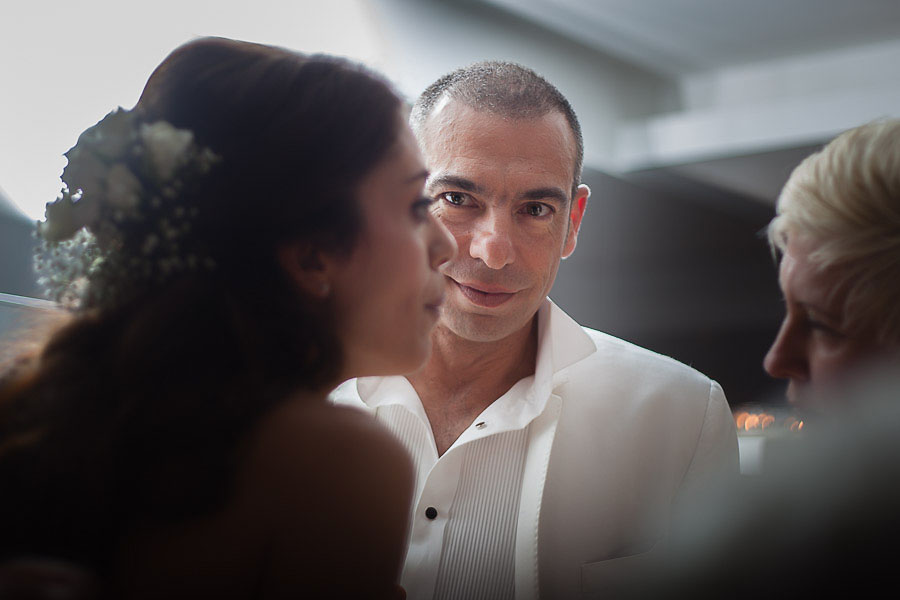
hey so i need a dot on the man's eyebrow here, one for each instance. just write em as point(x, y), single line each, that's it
point(455, 181)
point(467, 185)
point(546, 193)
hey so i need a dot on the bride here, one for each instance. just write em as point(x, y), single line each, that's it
point(252, 233)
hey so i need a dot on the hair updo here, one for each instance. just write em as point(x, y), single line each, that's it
point(296, 135)
point(137, 411)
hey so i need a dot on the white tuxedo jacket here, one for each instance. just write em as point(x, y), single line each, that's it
point(624, 434)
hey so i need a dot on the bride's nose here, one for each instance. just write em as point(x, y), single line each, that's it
point(442, 245)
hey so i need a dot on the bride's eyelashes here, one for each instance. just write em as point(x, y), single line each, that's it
point(421, 208)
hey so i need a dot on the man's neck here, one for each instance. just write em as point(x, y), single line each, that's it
point(463, 377)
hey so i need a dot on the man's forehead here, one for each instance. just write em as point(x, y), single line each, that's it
point(456, 128)
point(497, 152)
point(449, 111)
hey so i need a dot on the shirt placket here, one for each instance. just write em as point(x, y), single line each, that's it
point(428, 525)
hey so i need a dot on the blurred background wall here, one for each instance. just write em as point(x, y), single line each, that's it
point(694, 113)
point(16, 245)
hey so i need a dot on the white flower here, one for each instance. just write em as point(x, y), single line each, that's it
point(85, 171)
point(114, 170)
point(112, 136)
point(122, 188)
point(167, 147)
point(207, 159)
point(63, 218)
point(88, 206)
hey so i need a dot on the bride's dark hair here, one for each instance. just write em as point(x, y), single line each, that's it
point(136, 412)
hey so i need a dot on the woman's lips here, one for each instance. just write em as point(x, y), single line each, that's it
point(487, 299)
point(434, 306)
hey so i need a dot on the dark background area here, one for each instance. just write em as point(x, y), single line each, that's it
point(679, 275)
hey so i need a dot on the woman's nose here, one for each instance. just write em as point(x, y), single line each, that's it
point(787, 358)
point(443, 246)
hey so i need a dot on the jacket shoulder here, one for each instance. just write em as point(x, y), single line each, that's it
point(629, 363)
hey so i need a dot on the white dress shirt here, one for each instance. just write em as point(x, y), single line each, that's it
point(463, 525)
point(563, 486)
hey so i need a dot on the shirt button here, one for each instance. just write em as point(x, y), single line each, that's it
point(431, 513)
point(480, 425)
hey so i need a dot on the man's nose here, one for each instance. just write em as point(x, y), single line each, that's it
point(492, 241)
point(787, 358)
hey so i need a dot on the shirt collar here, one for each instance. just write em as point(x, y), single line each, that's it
point(561, 343)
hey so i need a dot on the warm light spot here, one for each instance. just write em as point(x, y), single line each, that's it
point(750, 421)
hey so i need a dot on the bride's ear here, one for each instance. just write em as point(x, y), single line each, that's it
point(306, 267)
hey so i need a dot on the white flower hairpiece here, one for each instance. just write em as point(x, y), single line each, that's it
point(122, 175)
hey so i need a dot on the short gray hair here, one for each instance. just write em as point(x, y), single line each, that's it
point(506, 89)
point(846, 199)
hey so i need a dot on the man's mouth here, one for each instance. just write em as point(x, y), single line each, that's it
point(488, 296)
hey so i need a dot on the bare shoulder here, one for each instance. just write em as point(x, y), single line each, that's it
point(317, 438)
point(335, 490)
point(319, 492)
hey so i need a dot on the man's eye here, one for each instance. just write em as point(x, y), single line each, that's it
point(536, 209)
point(454, 198)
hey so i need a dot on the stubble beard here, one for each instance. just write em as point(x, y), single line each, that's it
point(477, 328)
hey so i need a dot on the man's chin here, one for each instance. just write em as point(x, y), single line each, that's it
point(476, 327)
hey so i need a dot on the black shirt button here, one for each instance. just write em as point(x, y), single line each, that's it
point(431, 512)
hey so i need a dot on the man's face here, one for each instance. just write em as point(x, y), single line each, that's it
point(815, 346)
point(503, 189)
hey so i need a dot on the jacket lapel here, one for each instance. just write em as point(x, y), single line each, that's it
point(561, 343)
point(540, 440)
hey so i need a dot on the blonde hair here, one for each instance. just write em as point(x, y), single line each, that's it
point(846, 199)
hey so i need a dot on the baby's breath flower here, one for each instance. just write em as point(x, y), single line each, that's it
point(112, 136)
point(86, 171)
point(123, 188)
point(110, 232)
point(64, 217)
point(166, 146)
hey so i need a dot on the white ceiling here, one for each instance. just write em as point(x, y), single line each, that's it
point(761, 82)
point(679, 37)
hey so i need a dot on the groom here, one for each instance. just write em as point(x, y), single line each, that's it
point(548, 455)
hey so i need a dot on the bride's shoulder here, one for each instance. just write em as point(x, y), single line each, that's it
point(316, 443)
point(299, 422)
point(332, 488)
point(319, 492)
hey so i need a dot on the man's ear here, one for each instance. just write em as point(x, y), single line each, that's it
point(576, 214)
point(306, 268)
